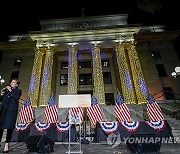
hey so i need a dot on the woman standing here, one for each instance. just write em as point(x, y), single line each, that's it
point(9, 110)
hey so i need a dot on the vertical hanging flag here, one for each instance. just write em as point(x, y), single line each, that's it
point(51, 111)
point(94, 112)
point(26, 112)
point(121, 110)
point(153, 110)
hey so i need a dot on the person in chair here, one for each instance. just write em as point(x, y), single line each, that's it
point(9, 110)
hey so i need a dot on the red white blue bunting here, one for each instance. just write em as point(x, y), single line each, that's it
point(62, 126)
point(109, 127)
point(20, 127)
point(130, 126)
point(159, 125)
point(40, 127)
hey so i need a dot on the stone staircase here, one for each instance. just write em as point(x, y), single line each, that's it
point(138, 113)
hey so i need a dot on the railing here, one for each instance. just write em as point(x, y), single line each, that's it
point(169, 95)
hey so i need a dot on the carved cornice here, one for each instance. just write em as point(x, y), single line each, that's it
point(158, 36)
point(86, 35)
point(17, 45)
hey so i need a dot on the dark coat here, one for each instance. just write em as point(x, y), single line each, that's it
point(9, 109)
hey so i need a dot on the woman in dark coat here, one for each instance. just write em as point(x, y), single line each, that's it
point(9, 110)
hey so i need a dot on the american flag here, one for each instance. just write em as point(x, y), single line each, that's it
point(51, 111)
point(121, 110)
point(153, 110)
point(74, 112)
point(26, 112)
point(94, 112)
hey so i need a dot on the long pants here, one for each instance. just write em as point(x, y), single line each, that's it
point(8, 135)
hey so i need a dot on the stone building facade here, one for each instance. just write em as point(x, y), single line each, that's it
point(100, 55)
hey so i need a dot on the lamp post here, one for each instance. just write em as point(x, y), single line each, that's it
point(1, 80)
point(176, 73)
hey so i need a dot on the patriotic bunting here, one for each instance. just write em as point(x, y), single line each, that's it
point(130, 126)
point(109, 127)
point(19, 127)
point(62, 127)
point(159, 125)
point(40, 127)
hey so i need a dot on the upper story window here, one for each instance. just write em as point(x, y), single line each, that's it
point(161, 70)
point(85, 79)
point(64, 65)
point(107, 77)
point(63, 79)
point(17, 62)
point(105, 63)
point(109, 98)
point(86, 64)
point(156, 54)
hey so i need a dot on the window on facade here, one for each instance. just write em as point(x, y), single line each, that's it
point(86, 64)
point(156, 54)
point(64, 79)
point(107, 77)
point(64, 65)
point(15, 74)
point(17, 62)
point(161, 70)
point(168, 92)
point(105, 63)
point(109, 98)
point(85, 79)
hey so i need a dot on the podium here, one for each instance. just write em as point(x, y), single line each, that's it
point(77, 121)
point(75, 101)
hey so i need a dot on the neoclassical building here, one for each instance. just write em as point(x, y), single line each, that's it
point(100, 55)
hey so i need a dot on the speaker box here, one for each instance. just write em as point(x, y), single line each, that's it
point(142, 143)
point(40, 144)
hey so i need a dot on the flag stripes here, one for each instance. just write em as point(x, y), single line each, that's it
point(121, 110)
point(26, 112)
point(153, 109)
point(94, 112)
point(51, 111)
point(75, 111)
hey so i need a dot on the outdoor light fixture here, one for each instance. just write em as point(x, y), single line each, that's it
point(177, 72)
point(1, 80)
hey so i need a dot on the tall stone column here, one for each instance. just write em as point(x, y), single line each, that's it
point(138, 78)
point(46, 82)
point(72, 70)
point(98, 75)
point(34, 86)
point(125, 75)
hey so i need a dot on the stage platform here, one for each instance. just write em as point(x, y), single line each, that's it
point(92, 148)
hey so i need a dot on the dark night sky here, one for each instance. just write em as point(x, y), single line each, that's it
point(21, 17)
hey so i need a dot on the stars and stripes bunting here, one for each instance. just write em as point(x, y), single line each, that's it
point(94, 112)
point(121, 110)
point(153, 110)
point(26, 112)
point(51, 111)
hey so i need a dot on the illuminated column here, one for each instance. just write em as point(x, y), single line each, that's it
point(125, 76)
point(36, 77)
point(46, 82)
point(98, 75)
point(72, 70)
point(138, 78)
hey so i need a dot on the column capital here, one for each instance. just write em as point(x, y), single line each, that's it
point(44, 44)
